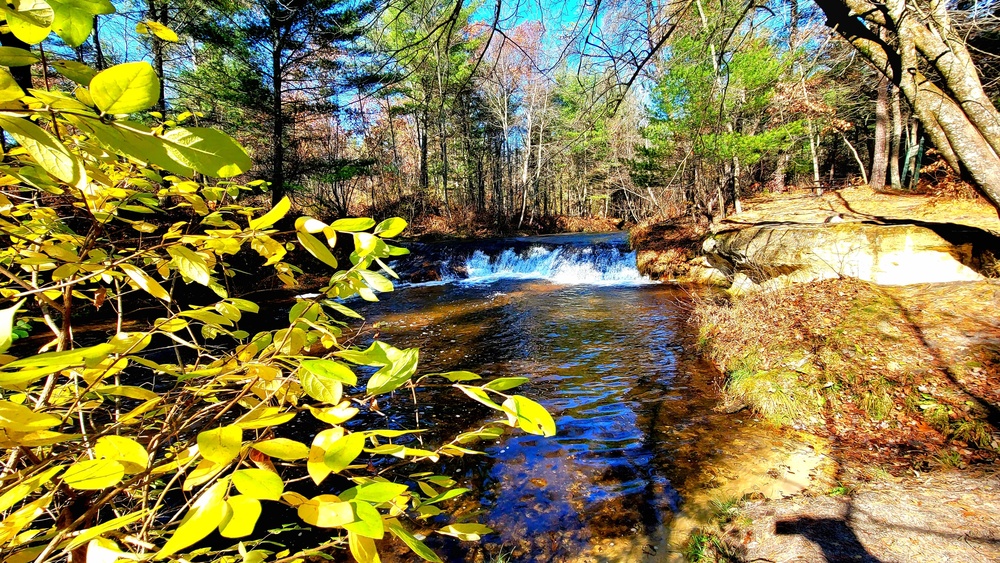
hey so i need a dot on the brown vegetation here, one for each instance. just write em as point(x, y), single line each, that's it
point(849, 360)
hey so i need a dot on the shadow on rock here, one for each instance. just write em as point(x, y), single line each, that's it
point(837, 540)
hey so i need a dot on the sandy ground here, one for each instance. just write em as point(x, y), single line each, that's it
point(944, 516)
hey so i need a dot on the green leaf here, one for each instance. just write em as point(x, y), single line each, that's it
point(331, 370)
point(321, 388)
point(7, 325)
point(260, 484)
point(9, 90)
point(375, 493)
point(529, 415)
point(191, 264)
point(279, 210)
point(283, 448)
point(480, 396)
point(466, 532)
point(125, 88)
point(143, 280)
point(202, 519)
point(412, 542)
point(220, 445)
point(316, 248)
point(367, 521)
point(449, 494)
point(31, 21)
point(343, 452)
point(13, 56)
point(395, 374)
point(353, 225)
point(131, 454)
point(47, 151)
point(376, 281)
point(457, 376)
point(505, 383)
point(240, 517)
point(94, 474)
point(75, 71)
point(208, 151)
point(390, 227)
point(74, 19)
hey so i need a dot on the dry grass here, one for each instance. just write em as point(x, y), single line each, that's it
point(839, 357)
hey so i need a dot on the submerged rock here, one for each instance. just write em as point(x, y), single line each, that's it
point(767, 256)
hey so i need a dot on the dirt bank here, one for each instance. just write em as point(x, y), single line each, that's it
point(900, 382)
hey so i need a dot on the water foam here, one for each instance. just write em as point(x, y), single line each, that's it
point(559, 265)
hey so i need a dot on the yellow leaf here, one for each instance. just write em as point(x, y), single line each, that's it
point(220, 445)
point(279, 210)
point(25, 487)
point(529, 415)
point(326, 511)
point(283, 448)
point(466, 532)
point(241, 517)
point(316, 463)
point(113, 524)
point(259, 484)
point(264, 417)
point(190, 263)
point(7, 325)
point(30, 22)
point(22, 419)
point(125, 88)
point(316, 248)
point(335, 415)
point(362, 548)
point(93, 474)
point(143, 280)
point(13, 56)
point(159, 30)
point(102, 550)
point(309, 225)
point(9, 90)
point(131, 454)
point(46, 150)
point(202, 519)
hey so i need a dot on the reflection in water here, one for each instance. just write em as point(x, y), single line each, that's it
point(631, 407)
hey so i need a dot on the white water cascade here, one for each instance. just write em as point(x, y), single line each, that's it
point(561, 265)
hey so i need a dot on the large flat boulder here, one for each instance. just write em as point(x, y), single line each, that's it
point(763, 256)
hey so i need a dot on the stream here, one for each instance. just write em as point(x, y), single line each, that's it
point(609, 355)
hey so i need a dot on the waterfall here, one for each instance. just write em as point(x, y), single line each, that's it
point(595, 265)
point(561, 260)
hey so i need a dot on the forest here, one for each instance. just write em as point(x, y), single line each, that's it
point(201, 200)
point(506, 114)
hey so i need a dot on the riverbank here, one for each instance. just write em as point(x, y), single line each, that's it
point(899, 381)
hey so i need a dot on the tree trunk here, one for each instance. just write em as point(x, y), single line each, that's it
point(158, 14)
point(897, 137)
point(960, 119)
point(880, 158)
point(278, 123)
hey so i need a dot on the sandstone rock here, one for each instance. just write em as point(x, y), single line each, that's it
point(765, 256)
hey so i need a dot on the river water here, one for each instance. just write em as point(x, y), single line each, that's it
point(608, 354)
